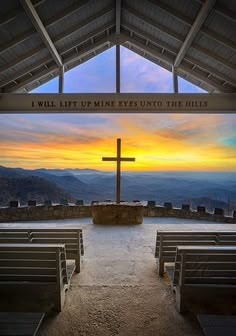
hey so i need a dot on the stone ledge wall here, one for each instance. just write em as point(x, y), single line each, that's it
point(159, 211)
point(42, 212)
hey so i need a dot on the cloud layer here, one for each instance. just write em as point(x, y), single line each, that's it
point(158, 141)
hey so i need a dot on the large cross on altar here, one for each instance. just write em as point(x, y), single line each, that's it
point(118, 160)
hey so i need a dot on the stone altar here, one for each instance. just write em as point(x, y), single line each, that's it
point(113, 213)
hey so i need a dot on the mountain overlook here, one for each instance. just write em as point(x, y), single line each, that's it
point(212, 189)
point(29, 187)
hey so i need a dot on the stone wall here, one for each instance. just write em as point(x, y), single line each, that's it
point(44, 212)
point(159, 211)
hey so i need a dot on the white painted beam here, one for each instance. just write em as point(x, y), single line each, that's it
point(33, 15)
point(196, 26)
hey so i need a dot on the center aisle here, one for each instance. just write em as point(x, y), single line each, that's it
point(118, 291)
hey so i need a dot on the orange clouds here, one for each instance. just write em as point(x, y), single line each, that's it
point(158, 142)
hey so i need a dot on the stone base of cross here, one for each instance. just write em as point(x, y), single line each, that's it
point(118, 160)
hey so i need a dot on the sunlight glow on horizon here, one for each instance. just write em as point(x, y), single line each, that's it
point(171, 142)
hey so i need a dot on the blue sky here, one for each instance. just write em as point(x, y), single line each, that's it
point(158, 141)
point(137, 75)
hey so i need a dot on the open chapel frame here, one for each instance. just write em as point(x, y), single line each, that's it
point(118, 103)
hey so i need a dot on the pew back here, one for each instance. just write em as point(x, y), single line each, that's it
point(72, 238)
point(33, 277)
point(167, 241)
point(205, 277)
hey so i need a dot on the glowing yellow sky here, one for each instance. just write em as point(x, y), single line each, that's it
point(158, 142)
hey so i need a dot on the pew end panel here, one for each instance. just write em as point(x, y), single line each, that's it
point(205, 279)
point(32, 277)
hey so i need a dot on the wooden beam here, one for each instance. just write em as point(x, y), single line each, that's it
point(118, 16)
point(54, 69)
point(37, 23)
point(83, 24)
point(76, 6)
point(173, 50)
point(196, 26)
point(179, 38)
point(153, 24)
point(175, 80)
point(182, 67)
point(48, 58)
point(17, 40)
point(223, 11)
point(28, 87)
point(61, 80)
point(118, 20)
point(117, 68)
point(53, 20)
point(9, 16)
point(184, 19)
point(13, 13)
point(118, 103)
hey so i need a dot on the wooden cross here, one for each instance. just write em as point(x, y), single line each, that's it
point(118, 159)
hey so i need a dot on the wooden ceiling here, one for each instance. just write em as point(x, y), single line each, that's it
point(197, 38)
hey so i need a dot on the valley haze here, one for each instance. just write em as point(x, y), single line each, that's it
point(211, 189)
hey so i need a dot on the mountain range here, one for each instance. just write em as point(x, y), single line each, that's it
point(212, 189)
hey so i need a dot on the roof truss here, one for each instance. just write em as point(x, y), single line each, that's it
point(37, 23)
point(101, 25)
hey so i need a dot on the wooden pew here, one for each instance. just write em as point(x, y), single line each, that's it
point(217, 325)
point(205, 279)
point(24, 324)
point(33, 277)
point(167, 241)
point(72, 238)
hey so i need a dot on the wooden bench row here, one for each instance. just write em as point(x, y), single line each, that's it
point(167, 241)
point(35, 267)
point(33, 277)
point(21, 324)
point(204, 278)
point(72, 238)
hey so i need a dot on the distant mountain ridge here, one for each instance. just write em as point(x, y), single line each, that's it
point(67, 171)
point(213, 189)
point(29, 187)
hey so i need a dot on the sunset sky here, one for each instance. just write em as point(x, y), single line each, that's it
point(157, 141)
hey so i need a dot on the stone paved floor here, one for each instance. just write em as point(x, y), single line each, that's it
point(118, 291)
